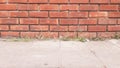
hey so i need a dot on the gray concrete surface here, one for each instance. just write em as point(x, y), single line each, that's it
point(60, 54)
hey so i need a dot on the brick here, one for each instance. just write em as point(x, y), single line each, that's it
point(118, 21)
point(42, 14)
point(106, 34)
point(77, 28)
point(87, 21)
point(58, 28)
point(97, 28)
point(89, 7)
point(99, 1)
point(4, 27)
point(28, 21)
point(2, 1)
point(78, 14)
point(79, 1)
point(7, 7)
point(39, 27)
point(58, 14)
point(115, 1)
point(19, 27)
point(49, 34)
point(69, 21)
point(18, 14)
point(58, 1)
point(86, 34)
point(48, 7)
point(108, 7)
point(49, 21)
point(69, 7)
point(25, 7)
point(107, 21)
point(67, 34)
point(38, 1)
point(98, 14)
point(114, 28)
point(4, 14)
point(9, 34)
point(8, 21)
point(114, 14)
point(29, 34)
point(17, 1)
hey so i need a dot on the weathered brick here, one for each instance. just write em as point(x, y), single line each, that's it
point(35, 14)
point(107, 21)
point(87, 21)
point(8, 21)
point(89, 7)
point(9, 34)
point(48, 7)
point(69, 7)
point(28, 21)
point(49, 21)
point(109, 7)
point(58, 14)
point(114, 28)
point(79, 1)
point(97, 28)
point(39, 27)
point(69, 21)
point(78, 14)
point(19, 27)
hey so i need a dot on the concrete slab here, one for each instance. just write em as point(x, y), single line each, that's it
point(60, 54)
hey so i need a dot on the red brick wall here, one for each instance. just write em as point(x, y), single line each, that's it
point(57, 18)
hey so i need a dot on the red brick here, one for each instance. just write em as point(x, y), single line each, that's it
point(26, 7)
point(58, 28)
point(87, 21)
point(67, 34)
point(28, 21)
point(97, 28)
point(89, 7)
point(78, 14)
point(98, 14)
point(38, 1)
point(114, 14)
point(39, 27)
point(4, 27)
point(29, 34)
point(38, 14)
point(4, 14)
point(114, 28)
point(18, 14)
point(86, 34)
point(48, 7)
point(69, 7)
point(68, 21)
point(19, 27)
point(9, 34)
point(115, 1)
point(17, 1)
point(79, 1)
point(49, 35)
point(58, 14)
point(6, 7)
point(8, 21)
point(99, 1)
point(49, 21)
point(2, 1)
point(106, 34)
point(109, 7)
point(77, 28)
point(58, 1)
point(118, 21)
point(107, 21)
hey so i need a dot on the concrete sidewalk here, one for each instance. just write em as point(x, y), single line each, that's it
point(60, 54)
